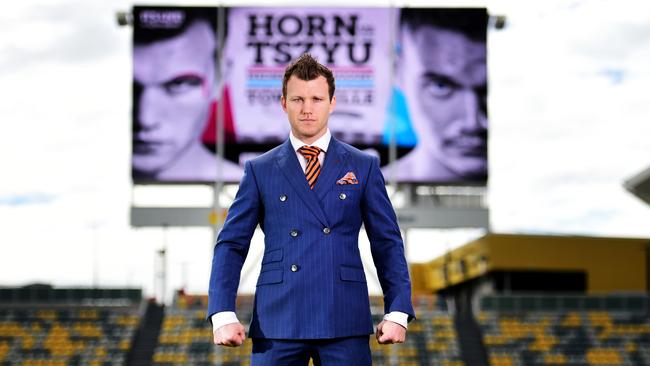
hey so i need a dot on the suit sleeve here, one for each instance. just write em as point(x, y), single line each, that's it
point(386, 244)
point(232, 245)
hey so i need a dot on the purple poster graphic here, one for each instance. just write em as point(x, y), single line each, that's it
point(439, 102)
point(175, 97)
point(352, 42)
point(417, 77)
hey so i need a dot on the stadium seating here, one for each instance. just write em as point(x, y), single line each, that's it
point(516, 330)
point(41, 325)
point(566, 337)
point(66, 335)
point(185, 337)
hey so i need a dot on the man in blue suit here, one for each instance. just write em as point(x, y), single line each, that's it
point(310, 196)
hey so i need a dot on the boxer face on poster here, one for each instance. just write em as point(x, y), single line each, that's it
point(445, 79)
point(174, 86)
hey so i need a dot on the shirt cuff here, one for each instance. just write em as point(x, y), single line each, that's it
point(223, 318)
point(398, 317)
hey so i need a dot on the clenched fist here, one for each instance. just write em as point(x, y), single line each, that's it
point(389, 332)
point(230, 335)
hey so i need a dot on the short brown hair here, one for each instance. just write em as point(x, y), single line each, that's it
point(307, 68)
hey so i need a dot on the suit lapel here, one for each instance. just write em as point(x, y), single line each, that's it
point(332, 169)
point(290, 167)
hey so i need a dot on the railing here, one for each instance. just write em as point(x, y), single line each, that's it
point(47, 294)
point(638, 303)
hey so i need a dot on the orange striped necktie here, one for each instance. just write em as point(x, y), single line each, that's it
point(313, 165)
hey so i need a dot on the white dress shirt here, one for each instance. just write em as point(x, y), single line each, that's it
point(228, 317)
point(323, 143)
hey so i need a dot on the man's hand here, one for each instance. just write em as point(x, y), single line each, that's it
point(389, 332)
point(230, 335)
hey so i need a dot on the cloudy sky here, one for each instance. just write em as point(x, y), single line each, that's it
point(569, 122)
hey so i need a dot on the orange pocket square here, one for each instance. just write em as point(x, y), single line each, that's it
point(348, 178)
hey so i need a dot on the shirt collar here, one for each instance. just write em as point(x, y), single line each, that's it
point(323, 142)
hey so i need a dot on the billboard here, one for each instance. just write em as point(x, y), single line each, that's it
point(426, 90)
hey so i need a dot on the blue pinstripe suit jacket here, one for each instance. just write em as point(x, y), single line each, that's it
point(325, 294)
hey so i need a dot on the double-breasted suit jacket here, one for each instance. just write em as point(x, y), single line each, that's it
point(312, 283)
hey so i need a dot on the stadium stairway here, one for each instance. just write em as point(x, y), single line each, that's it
point(146, 339)
point(470, 340)
point(468, 332)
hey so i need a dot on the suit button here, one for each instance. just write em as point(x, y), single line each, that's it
point(294, 268)
point(326, 230)
point(343, 196)
point(294, 233)
point(283, 197)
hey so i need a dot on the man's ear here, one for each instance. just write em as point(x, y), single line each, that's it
point(332, 103)
point(283, 102)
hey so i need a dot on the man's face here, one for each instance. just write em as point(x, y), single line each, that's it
point(173, 86)
point(448, 79)
point(308, 107)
